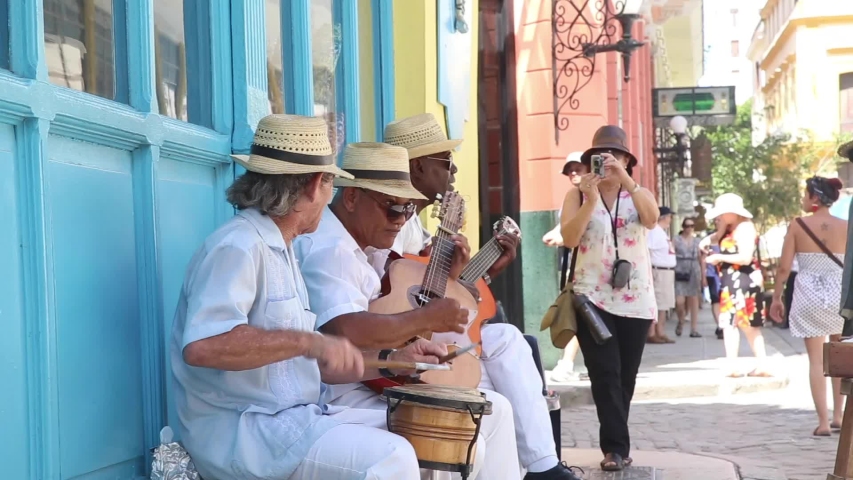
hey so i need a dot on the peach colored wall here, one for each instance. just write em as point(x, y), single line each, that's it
point(540, 157)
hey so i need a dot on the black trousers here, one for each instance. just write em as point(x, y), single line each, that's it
point(612, 371)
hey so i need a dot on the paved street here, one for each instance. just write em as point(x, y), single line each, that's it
point(770, 427)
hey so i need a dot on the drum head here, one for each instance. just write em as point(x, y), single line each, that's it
point(456, 398)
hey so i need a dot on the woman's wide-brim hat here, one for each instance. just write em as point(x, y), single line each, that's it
point(609, 138)
point(291, 145)
point(728, 203)
point(846, 150)
point(420, 135)
point(379, 167)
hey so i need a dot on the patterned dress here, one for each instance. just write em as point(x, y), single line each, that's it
point(687, 255)
point(597, 255)
point(740, 290)
point(814, 308)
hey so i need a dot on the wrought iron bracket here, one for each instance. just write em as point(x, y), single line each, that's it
point(578, 34)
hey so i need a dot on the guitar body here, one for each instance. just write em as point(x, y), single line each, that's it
point(402, 283)
point(486, 306)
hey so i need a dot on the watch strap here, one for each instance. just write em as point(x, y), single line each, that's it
point(383, 355)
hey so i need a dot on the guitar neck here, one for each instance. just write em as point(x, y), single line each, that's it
point(482, 261)
point(438, 268)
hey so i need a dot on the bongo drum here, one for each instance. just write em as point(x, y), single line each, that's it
point(441, 422)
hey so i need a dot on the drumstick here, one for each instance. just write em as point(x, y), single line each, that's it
point(458, 352)
point(389, 364)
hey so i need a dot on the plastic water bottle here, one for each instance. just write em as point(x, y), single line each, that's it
point(706, 293)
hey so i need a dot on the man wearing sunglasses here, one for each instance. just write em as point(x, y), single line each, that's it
point(343, 263)
point(507, 360)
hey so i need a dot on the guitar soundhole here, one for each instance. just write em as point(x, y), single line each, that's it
point(417, 297)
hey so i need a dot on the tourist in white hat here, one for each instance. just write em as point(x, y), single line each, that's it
point(344, 262)
point(508, 366)
point(250, 373)
point(741, 281)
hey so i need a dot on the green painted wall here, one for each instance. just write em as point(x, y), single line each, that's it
point(540, 278)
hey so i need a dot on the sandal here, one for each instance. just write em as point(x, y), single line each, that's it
point(735, 375)
point(612, 463)
point(835, 426)
point(678, 329)
point(627, 462)
point(695, 334)
point(818, 433)
point(756, 373)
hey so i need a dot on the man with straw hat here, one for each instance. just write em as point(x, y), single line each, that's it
point(507, 360)
point(251, 375)
point(344, 262)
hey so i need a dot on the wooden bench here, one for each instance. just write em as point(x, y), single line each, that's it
point(838, 362)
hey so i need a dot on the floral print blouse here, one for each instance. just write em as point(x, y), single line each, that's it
point(597, 254)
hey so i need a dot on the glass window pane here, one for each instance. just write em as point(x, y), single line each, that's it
point(170, 56)
point(275, 80)
point(79, 45)
point(326, 46)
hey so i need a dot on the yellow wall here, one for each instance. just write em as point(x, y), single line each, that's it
point(415, 76)
point(365, 68)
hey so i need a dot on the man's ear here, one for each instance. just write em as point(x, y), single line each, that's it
point(349, 195)
point(314, 186)
point(415, 166)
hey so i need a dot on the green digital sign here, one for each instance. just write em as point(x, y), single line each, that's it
point(696, 101)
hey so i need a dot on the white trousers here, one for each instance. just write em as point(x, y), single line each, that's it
point(509, 369)
point(361, 448)
point(497, 452)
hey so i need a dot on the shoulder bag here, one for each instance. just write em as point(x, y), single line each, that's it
point(819, 243)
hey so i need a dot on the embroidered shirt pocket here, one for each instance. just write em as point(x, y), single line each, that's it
point(286, 314)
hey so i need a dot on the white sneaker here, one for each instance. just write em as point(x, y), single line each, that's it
point(564, 372)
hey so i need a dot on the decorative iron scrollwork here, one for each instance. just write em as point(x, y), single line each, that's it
point(578, 34)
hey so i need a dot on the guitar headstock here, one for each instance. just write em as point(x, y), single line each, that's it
point(452, 212)
point(507, 226)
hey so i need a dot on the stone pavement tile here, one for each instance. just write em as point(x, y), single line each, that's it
point(664, 465)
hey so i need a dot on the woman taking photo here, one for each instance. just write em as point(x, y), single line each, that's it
point(689, 277)
point(817, 242)
point(740, 281)
point(605, 219)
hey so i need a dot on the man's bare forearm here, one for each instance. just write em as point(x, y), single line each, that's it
point(247, 348)
point(377, 331)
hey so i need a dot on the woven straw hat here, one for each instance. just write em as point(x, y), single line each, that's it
point(291, 144)
point(421, 135)
point(379, 167)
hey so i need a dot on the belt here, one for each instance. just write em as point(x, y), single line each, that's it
point(663, 268)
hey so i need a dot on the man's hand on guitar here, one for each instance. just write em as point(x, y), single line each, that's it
point(461, 256)
point(509, 243)
point(445, 315)
point(420, 351)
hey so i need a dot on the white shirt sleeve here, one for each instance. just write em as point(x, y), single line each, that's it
point(220, 293)
point(412, 239)
point(335, 282)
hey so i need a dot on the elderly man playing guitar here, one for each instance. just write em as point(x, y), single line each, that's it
point(508, 366)
point(343, 263)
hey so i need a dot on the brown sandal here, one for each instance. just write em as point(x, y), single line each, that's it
point(821, 434)
point(612, 462)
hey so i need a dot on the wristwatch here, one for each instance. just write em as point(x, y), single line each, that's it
point(383, 355)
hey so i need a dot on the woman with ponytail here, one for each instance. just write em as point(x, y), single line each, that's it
point(818, 243)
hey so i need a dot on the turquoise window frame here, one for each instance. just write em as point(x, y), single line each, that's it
point(383, 64)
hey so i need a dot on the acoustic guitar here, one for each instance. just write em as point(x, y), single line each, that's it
point(410, 284)
point(475, 272)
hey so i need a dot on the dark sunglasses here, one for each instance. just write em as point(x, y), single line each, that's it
point(688, 225)
point(449, 161)
point(394, 211)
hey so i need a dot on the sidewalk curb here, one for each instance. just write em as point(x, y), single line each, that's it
point(671, 386)
point(748, 469)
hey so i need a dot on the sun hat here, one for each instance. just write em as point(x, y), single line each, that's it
point(291, 144)
point(662, 211)
point(421, 135)
point(728, 203)
point(574, 157)
point(609, 137)
point(379, 167)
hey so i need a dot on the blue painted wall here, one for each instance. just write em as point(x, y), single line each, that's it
point(102, 204)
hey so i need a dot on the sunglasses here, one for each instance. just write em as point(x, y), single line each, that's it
point(448, 160)
point(392, 210)
point(688, 225)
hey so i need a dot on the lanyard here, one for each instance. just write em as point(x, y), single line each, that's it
point(613, 220)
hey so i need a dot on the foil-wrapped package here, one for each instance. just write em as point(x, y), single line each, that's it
point(171, 461)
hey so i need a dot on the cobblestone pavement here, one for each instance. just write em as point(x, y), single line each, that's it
point(772, 427)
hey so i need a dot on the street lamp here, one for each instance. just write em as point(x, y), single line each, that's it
point(577, 36)
point(678, 124)
point(673, 154)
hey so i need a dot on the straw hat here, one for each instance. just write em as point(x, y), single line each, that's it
point(421, 135)
point(291, 144)
point(609, 137)
point(379, 167)
point(728, 203)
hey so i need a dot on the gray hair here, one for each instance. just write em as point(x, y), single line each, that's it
point(273, 195)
